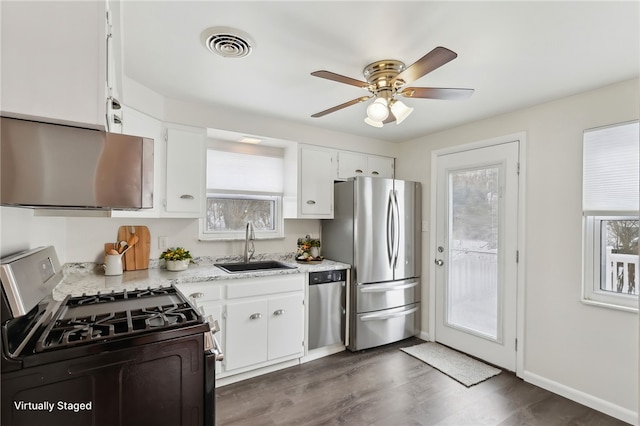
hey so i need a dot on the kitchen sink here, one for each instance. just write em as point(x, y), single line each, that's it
point(263, 265)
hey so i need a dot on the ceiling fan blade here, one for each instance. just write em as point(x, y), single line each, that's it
point(429, 62)
point(339, 107)
point(340, 78)
point(436, 93)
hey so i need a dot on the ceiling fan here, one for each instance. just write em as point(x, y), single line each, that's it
point(387, 78)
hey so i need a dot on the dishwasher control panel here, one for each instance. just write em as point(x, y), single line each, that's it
point(327, 277)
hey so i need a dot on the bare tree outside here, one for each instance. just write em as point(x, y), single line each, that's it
point(622, 240)
point(232, 214)
point(473, 198)
point(622, 236)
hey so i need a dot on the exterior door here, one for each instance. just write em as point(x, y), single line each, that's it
point(476, 252)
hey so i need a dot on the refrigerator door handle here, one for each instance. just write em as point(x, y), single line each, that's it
point(396, 230)
point(382, 288)
point(390, 221)
point(384, 316)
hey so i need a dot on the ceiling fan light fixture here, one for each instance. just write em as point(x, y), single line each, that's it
point(373, 123)
point(378, 110)
point(400, 111)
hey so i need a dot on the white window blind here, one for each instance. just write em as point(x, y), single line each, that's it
point(231, 171)
point(611, 164)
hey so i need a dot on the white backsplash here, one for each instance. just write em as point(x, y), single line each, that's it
point(81, 239)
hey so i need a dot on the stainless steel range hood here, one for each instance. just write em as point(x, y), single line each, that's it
point(54, 166)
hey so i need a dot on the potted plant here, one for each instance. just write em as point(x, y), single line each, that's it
point(308, 249)
point(176, 259)
point(315, 247)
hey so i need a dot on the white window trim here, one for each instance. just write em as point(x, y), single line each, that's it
point(591, 292)
point(277, 233)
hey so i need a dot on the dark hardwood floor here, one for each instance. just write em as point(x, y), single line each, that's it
point(385, 386)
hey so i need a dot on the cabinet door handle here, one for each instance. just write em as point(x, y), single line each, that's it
point(358, 171)
point(115, 104)
point(311, 202)
point(196, 295)
point(375, 173)
point(279, 312)
point(187, 197)
point(255, 316)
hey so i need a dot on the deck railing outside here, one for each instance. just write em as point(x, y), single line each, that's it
point(476, 273)
point(621, 273)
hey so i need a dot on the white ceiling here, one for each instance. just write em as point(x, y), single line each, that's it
point(514, 54)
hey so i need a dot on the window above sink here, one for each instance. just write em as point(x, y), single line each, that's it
point(244, 184)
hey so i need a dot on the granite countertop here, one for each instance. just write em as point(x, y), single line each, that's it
point(89, 278)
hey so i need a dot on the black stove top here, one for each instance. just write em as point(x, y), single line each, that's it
point(92, 299)
point(90, 324)
point(96, 318)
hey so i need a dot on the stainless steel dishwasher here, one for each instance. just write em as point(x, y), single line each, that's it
point(326, 308)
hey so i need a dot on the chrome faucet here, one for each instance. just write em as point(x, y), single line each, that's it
point(249, 247)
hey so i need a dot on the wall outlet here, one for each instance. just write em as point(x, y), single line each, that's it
point(163, 243)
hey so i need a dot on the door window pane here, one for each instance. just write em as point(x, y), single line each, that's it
point(472, 284)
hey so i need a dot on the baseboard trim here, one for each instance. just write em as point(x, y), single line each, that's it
point(314, 354)
point(424, 336)
point(583, 398)
point(227, 380)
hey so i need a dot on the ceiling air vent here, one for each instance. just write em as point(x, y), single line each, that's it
point(227, 42)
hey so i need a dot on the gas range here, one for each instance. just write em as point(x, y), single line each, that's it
point(88, 319)
point(101, 341)
point(90, 324)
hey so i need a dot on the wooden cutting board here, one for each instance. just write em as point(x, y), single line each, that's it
point(137, 257)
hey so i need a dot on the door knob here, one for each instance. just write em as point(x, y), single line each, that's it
point(439, 262)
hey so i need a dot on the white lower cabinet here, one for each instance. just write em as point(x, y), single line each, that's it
point(264, 330)
point(247, 340)
point(286, 326)
point(261, 319)
point(265, 324)
point(207, 296)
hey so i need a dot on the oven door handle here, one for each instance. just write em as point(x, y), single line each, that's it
point(214, 347)
point(216, 351)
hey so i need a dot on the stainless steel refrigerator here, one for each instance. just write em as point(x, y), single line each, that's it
point(376, 228)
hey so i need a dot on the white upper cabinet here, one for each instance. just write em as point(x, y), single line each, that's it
point(54, 61)
point(185, 171)
point(315, 175)
point(351, 164)
point(380, 166)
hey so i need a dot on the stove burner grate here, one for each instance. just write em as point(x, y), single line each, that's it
point(90, 299)
point(125, 319)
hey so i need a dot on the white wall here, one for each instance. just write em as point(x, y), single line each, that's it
point(20, 230)
point(81, 239)
point(585, 352)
